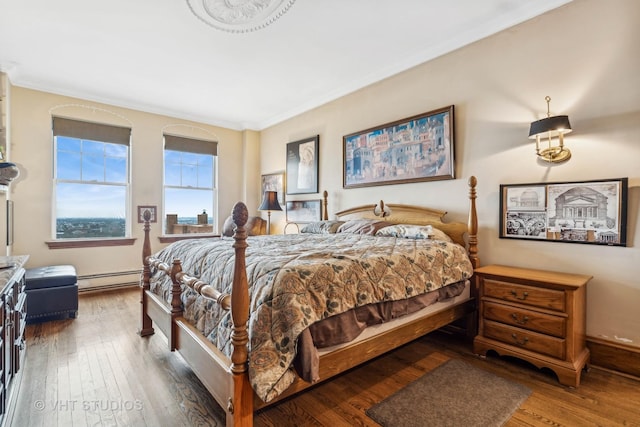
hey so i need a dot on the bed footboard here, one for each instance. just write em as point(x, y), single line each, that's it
point(235, 396)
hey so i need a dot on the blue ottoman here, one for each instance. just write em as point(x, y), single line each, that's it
point(52, 293)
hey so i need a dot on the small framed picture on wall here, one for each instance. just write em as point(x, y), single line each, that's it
point(273, 182)
point(152, 213)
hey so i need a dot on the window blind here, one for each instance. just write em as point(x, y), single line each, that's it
point(191, 145)
point(92, 131)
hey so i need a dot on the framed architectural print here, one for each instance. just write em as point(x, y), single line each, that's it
point(575, 212)
point(302, 166)
point(301, 211)
point(274, 182)
point(418, 148)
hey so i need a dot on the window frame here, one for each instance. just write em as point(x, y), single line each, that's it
point(98, 132)
point(183, 144)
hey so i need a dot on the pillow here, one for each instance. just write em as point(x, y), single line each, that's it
point(255, 226)
point(362, 226)
point(228, 226)
point(411, 231)
point(322, 227)
point(407, 231)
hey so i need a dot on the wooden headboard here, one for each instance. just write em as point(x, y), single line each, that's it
point(409, 214)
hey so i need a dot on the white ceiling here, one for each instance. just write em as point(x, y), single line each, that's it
point(158, 56)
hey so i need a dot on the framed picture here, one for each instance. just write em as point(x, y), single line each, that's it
point(302, 166)
point(274, 182)
point(9, 222)
point(418, 148)
point(151, 210)
point(304, 210)
point(575, 212)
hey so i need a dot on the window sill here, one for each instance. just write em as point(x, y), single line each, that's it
point(89, 243)
point(170, 238)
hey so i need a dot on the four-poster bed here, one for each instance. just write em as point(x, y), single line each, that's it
point(227, 372)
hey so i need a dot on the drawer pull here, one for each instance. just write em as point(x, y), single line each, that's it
point(522, 298)
point(524, 341)
point(519, 321)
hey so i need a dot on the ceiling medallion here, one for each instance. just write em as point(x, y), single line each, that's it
point(239, 16)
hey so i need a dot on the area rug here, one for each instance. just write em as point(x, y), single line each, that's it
point(454, 394)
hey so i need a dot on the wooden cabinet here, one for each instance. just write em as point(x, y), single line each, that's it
point(536, 315)
point(13, 312)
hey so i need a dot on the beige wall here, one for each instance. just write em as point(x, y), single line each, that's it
point(31, 149)
point(583, 55)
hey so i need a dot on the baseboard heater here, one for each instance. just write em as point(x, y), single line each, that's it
point(108, 281)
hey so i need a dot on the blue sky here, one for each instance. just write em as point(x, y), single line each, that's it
point(104, 165)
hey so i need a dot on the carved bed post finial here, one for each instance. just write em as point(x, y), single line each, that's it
point(381, 210)
point(146, 327)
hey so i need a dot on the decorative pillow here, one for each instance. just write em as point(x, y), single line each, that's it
point(362, 226)
point(254, 226)
point(411, 231)
point(322, 227)
point(407, 231)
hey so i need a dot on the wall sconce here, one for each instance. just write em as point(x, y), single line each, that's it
point(270, 203)
point(548, 129)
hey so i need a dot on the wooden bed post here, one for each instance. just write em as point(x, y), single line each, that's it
point(176, 303)
point(146, 327)
point(473, 224)
point(240, 405)
point(472, 227)
point(325, 212)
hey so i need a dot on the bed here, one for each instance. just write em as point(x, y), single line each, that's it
point(215, 298)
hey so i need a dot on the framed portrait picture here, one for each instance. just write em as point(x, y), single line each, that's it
point(573, 212)
point(418, 148)
point(274, 182)
point(302, 166)
point(152, 213)
point(301, 211)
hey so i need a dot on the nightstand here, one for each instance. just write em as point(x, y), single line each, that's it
point(535, 315)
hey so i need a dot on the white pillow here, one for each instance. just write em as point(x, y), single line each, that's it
point(411, 231)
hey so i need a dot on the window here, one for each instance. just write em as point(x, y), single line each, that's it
point(91, 180)
point(190, 194)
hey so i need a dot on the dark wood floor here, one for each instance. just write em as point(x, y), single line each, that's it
point(95, 371)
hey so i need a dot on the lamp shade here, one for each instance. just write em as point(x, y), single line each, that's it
point(556, 125)
point(270, 202)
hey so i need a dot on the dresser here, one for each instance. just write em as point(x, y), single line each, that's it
point(12, 324)
point(535, 315)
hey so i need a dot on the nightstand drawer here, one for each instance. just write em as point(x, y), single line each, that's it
point(527, 319)
point(521, 338)
point(529, 295)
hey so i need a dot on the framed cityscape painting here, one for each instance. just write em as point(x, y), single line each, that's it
point(418, 148)
point(574, 212)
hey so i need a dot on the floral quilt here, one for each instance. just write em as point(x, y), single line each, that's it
point(298, 279)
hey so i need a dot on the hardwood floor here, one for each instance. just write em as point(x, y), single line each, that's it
point(96, 371)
